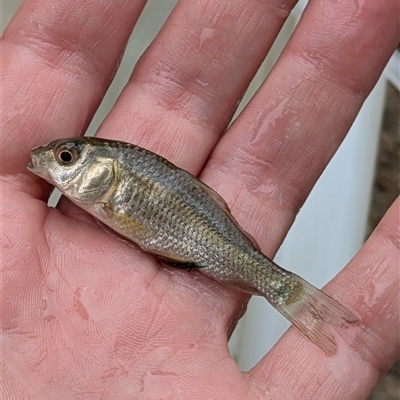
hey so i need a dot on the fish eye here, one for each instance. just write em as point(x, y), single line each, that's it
point(67, 154)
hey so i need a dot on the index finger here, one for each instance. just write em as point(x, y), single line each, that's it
point(58, 59)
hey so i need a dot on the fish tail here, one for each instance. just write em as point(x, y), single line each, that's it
point(314, 313)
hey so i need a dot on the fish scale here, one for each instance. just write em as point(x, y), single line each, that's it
point(174, 216)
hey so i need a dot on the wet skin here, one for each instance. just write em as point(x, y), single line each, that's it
point(85, 315)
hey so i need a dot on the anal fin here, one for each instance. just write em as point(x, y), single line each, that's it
point(241, 286)
point(184, 265)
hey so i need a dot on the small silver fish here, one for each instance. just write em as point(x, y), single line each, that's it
point(171, 214)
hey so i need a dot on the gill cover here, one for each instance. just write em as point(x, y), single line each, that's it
point(86, 174)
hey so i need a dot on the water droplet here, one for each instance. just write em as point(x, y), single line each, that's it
point(206, 33)
point(269, 121)
point(201, 82)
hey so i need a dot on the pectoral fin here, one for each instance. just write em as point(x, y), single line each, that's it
point(125, 226)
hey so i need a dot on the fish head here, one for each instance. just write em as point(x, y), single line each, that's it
point(80, 168)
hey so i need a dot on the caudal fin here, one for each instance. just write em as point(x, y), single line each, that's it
point(314, 313)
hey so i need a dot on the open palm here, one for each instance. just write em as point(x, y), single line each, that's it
point(87, 316)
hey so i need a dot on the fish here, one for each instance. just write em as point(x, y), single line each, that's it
point(171, 214)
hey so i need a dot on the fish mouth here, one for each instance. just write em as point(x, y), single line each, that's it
point(36, 166)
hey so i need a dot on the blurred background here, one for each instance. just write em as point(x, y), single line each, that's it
point(350, 198)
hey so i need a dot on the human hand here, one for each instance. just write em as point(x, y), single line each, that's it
point(84, 315)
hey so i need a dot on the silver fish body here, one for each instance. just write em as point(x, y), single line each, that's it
point(171, 214)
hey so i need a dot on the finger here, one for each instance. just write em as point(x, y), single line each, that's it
point(58, 59)
point(267, 163)
point(370, 283)
point(187, 85)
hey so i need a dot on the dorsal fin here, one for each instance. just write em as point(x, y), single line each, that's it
point(222, 204)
